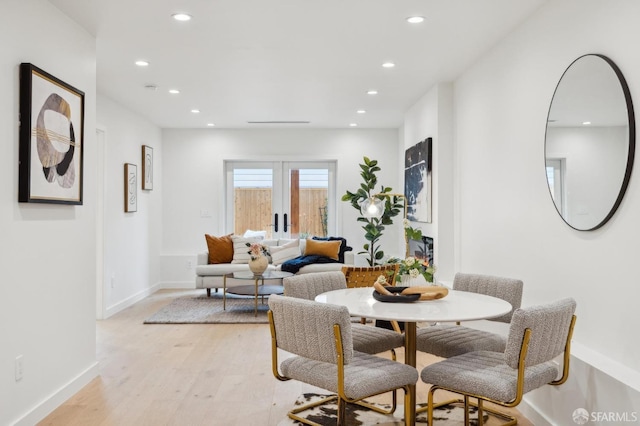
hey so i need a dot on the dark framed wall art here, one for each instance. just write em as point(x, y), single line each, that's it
point(130, 187)
point(147, 167)
point(417, 181)
point(51, 139)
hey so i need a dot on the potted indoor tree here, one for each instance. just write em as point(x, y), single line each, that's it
point(385, 205)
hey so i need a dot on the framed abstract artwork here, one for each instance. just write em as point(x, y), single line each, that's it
point(51, 139)
point(147, 167)
point(130, 187)
point(417, 181)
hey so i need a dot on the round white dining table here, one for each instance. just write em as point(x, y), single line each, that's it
point(456, 306)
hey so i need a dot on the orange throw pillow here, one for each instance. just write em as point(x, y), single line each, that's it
point(220, 248)
point(323, 248)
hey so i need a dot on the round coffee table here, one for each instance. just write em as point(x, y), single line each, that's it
point(257, 289)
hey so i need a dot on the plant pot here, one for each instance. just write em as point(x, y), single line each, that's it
point(407, 281)
point(258, 265)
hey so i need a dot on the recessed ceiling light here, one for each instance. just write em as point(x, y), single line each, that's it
point(195, 111)
point(142, 63)
point(174, 91)
point(372, 92)
point(210, 124)
point(415, 19)
point(181, 17)
point(353, 125)
point(388, 65)
point(361, 111)
point(586, 123)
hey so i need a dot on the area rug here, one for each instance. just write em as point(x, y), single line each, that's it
point(201, 309)
point(449, 415)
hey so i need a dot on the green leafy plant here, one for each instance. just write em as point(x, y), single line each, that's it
point(411, 232)
point(373, 227)
point(413, 267)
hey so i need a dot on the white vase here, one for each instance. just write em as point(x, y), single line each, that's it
point(407, 281)
point(258, 265)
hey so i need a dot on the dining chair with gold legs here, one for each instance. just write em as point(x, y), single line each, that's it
point(447, 340)
point(537, 335)
point(367, 339)
point(319, 336)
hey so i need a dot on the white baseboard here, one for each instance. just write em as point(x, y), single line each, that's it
point(532, 413)
point(189, 285)
point(47, 406)
point(123, 304)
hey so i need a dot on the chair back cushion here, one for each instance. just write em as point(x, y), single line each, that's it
point(305, 328)
point(549, 326)
point(308, 286)
point(508, 289)
point(366, 276)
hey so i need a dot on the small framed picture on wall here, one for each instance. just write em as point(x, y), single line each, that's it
point(130, 187)
point(147, 167)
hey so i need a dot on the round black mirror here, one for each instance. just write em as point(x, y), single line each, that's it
point(589, 142)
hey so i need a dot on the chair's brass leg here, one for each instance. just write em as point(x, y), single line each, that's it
point(408, 412)
point(293, 413)
point(342, 412)
point(430, 405)
point(480, 414)
point(511, 420)
point(466, 410)
point(377, 409)
point(439, 404)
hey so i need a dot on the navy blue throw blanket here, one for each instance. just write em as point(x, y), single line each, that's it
point(294, 265)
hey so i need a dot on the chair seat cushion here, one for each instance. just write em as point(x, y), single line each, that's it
point(374, 340)
point(485, 373)
point(446, 340)
point(364, 376)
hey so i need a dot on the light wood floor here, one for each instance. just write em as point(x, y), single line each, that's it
point(201, 374)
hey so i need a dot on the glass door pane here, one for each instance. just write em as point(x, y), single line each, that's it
point(308, 199)
point(253, 190)
point(251, 199)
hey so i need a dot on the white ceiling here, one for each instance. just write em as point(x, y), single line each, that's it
point(286, 60)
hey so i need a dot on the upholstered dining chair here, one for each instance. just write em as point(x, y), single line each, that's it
point(320, 338)
point(537, 335)
point(447, 340)
point(366, 276)
point(367, 339)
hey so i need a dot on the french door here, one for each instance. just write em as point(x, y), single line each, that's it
point(281, 199)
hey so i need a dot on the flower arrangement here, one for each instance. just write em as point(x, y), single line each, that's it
point(257, 250)
point(414, 267)
point(382, 280)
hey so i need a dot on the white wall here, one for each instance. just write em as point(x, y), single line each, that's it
point(132, 240)
point(47, 256)
point(432, 116)
point(193, 181)
point(508, 224)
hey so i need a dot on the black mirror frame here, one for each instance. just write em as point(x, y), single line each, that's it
point(632, 140)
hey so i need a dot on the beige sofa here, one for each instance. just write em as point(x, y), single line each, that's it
point(210, 276)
